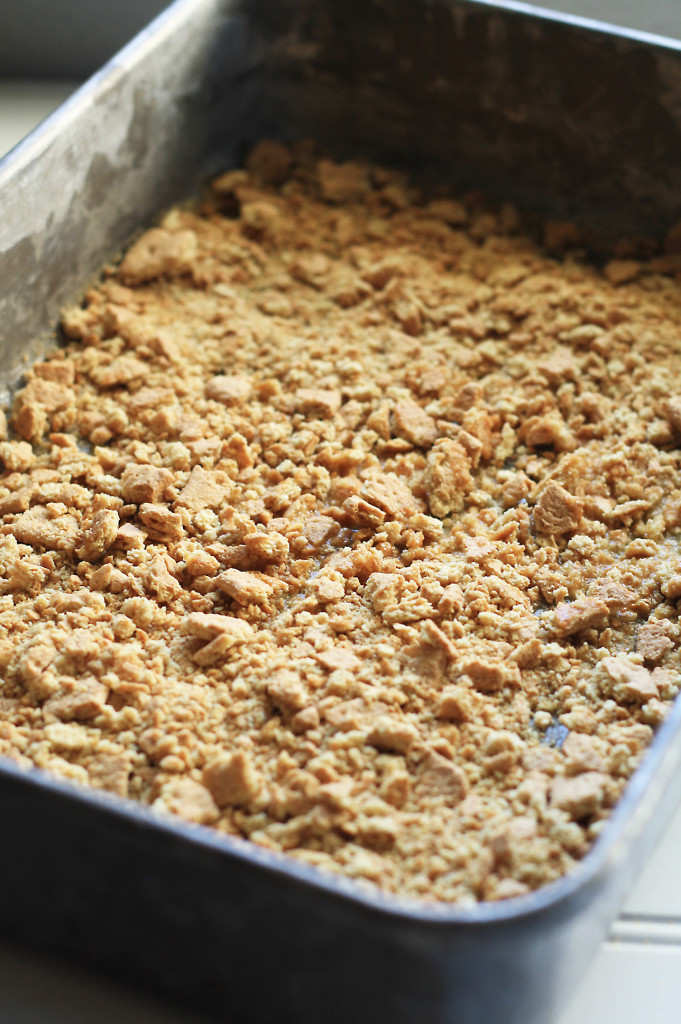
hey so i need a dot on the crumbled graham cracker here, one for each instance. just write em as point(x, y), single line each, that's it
point(330, 510)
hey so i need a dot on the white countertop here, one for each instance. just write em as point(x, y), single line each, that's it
point(636, 975)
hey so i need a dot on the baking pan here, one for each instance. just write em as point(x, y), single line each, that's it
point(566, 119)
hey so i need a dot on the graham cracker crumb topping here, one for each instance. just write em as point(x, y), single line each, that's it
point(347, 521)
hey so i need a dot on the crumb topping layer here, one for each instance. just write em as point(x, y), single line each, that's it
point(347, 521)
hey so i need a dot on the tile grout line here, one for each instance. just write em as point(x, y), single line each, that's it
point(656, 931)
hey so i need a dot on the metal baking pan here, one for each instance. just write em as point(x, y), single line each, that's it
point(568, 120)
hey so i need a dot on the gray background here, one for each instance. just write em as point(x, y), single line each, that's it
point(660, 16)
point(67, 38)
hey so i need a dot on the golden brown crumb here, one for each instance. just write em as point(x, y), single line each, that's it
point(338, 509)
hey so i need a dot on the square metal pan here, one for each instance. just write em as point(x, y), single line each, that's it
point(568, 119)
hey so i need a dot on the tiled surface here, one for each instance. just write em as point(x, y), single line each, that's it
point(630, 984)
point(635, 977)
point(657, 893)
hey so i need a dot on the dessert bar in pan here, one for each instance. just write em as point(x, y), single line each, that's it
point(575, 125)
